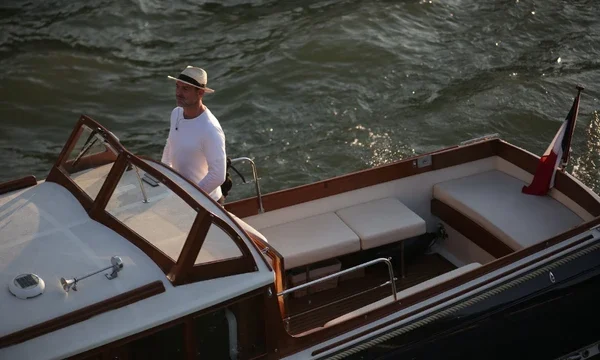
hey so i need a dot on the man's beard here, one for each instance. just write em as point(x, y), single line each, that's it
point(184, 103)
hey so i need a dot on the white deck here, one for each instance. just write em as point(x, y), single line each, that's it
point(53, 241)
point(65, 243)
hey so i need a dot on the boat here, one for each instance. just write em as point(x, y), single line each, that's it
point(441, 255)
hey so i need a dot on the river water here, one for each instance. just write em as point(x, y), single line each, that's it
point(308, 89)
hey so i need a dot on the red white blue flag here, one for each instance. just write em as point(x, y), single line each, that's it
point(557, 154)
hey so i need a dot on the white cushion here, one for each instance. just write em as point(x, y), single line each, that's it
point(382, 221)
point(494, 200)
point(312, 239)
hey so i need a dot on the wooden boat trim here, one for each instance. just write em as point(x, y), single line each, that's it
point(247, 256)
point(108, 187)
point(190, 273)
point(185, 271)
point(187, 320)
point(90, 161)
point(70, 144)
point(263, 248)
point(160, 259)
point(441, 159)
point(96, 209)
point(17, 184)
point(563, 182)
point(129, 297)
point(469, 228)
point(220, 268)
point(285, 343)
point(191, 248)
point(451, 283)
point(116, 344)
point(278, 267)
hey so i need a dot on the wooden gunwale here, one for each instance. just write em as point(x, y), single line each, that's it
point(289, 344)
point(286, 344)
point(17, 184)
point(129, 297)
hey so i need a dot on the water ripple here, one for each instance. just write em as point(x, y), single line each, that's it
point(310, 89)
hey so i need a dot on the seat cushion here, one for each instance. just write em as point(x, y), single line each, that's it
point(312, 239)
point(382, 221)
point(494, 200)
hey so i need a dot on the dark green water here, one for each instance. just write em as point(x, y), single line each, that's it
point(308, 89)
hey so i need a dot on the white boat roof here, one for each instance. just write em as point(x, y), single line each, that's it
point(46, 231)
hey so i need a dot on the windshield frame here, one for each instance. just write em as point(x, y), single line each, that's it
point(178, 272)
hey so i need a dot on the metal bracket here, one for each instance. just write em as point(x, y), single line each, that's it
point(424, 161)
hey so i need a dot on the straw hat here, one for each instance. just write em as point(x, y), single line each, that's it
point(194, 76)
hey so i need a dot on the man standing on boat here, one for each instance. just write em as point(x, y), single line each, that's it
point(195, 146)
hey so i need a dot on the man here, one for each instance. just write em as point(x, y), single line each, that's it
point(195, 146)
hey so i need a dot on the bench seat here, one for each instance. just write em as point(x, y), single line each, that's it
point(363, 226)
point(494, 201)
point(382, 222)
point(312, 239)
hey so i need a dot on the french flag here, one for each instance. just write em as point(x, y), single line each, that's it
point(557, 154)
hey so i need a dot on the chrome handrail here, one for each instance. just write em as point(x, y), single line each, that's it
point(343, 272)
point(290, 318)
point(255, 175)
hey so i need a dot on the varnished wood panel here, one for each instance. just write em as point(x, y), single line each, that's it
point(255, 295)
point(85, 313)
point(71, 142)
point(562, 181)
point(191, 248)
point(161, 259)
point(440, 159)
point(90, 161)
point(470, 229)
point(17, 184)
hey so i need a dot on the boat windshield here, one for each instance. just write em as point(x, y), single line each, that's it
point(153, 206)
point(217, 245)
point(90, 160)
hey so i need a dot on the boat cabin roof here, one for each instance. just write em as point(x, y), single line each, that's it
point(95, 204)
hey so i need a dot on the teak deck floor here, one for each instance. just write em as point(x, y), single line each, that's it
point(418, 270)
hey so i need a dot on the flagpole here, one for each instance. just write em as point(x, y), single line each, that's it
point(567, 152)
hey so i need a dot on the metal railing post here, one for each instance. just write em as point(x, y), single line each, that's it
point(340, 273)
point(255, 175)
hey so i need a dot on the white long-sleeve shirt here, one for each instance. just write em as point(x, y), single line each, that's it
point(196, 149)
